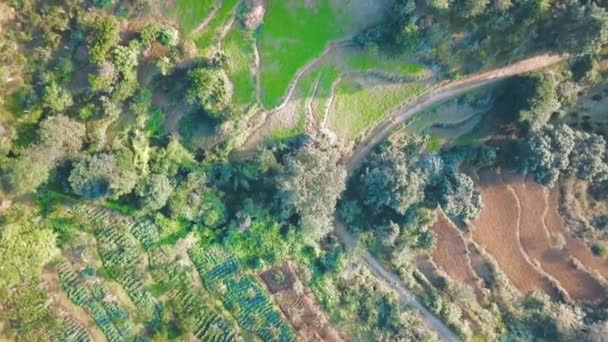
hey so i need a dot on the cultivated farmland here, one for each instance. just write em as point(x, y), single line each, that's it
point(451, 253)
point(536, 241)
point(496, 231)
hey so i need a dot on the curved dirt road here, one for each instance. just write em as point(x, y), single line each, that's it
point(441, 93)
point(381, 132)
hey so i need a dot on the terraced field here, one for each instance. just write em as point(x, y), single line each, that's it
point(519, 228)
point(299, 306)
point(576, 248)
point(536, 241)
point(451, 253)
point(496, 231)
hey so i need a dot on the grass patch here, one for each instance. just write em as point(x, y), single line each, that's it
point(154, 123)
point(210, 35)
point(358, 108)
point(292, 34)
point(435, 143)
point(238, 47)
point(370, 59)
point(190, 13)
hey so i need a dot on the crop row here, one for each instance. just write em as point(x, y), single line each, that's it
point(90, 294)
point(241, 295)
point(184, 296)
point(122, 258)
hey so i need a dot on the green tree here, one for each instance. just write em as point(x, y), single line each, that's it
point(154, 192)
point(310, 187)
point(59, 136)
point(458, 197)
point(208, 89)
point(101, 175)
point(56, 98)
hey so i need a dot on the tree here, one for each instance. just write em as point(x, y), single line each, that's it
point(598, 332)
point(393, 178)
point(59, 136)
point(542, 102)
point(587, 161)
point(310, 187)
point(548, 153)
point(30, 170)
point(57, 98)
point(101, 176)
point(583, 29)
point(154, 192)
point(208, 89)
point(458, 197)
point(558, 150)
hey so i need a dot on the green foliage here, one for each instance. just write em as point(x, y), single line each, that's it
point(107, 30)
point(557, 150)
point(459, 198)
point(310, 187)
point(100, 176)
point(542, 102)
point(194, 201)
point(208, 89)
point(154, 192)
point(25, 246)
point(59, 137)
point(56, 98)
point(255, 234)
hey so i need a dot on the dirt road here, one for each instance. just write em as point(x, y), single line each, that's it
point(431, 97)
point(440, 93)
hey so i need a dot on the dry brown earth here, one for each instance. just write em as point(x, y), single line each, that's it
point(451, 253)
point(496, 230)
point(536, 241)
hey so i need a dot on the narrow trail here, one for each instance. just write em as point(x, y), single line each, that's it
point(313, 125)
point(210, 16)
point(330, 100)
point(257, 68)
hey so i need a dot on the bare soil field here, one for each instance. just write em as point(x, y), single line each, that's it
point(496, 230)
point(451, 253)
point(536, 241)
point(299, 307)
point(575, 247)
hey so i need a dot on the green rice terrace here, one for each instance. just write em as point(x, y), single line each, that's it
point(303, 170)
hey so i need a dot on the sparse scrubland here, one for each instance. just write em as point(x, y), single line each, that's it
point(220, 170)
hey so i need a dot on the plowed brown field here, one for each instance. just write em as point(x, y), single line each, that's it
point(575, 248)
point(536, 242)
point(451, 253)
point(496, 229)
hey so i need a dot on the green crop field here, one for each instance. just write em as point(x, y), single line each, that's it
point(210, 35)
point(238, 46)
point(369, 60)
point(292, 35)
point(191, 12)
point(358, 108)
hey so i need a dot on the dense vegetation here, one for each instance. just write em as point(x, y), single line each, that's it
point(130, 208)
